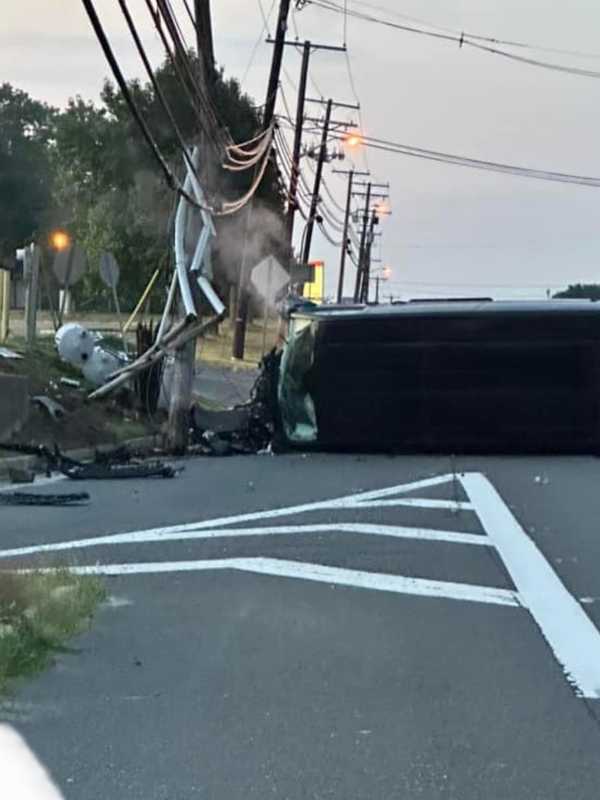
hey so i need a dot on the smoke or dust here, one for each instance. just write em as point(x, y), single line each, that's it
point(250, 235)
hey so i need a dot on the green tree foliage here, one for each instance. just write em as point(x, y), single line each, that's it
point(26, 130)
point(89, 169)
point(580, 291)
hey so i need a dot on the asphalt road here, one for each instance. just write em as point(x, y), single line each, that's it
point(222, 385)
point(367, 639)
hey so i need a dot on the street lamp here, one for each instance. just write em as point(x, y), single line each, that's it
point(353, 139)
point(60, 240)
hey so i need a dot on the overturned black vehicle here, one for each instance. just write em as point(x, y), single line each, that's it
point(469, 376)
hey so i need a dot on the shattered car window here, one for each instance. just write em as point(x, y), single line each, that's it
point(297, 407)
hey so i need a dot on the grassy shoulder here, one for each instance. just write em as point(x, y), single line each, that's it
point(39, 613)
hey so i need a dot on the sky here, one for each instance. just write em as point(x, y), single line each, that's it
point(453, 230)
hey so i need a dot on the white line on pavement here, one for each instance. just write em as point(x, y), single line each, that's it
point(321, 505)
point(138, 537)
point(412, 502)
point(568, 630)
point(320, 573)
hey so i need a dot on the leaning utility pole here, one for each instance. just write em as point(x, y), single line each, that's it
point(239, 332)
point(310, 225)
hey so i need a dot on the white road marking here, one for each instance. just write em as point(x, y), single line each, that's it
point(412, 502)
point(347, 501)
point(316, 572)
point(568, 630)
point(165, 535)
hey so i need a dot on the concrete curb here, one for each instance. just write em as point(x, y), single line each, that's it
point(81, 454)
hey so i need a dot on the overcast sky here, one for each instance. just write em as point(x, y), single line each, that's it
point(453, 230)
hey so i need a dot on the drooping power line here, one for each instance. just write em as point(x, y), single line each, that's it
point(462, 40)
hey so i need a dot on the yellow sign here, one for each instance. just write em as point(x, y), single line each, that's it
point(314, 290)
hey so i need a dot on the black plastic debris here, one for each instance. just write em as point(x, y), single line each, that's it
point(31, 499)
point(119, 463)
point(93, 471)
point(55, 410)
point(244, 429)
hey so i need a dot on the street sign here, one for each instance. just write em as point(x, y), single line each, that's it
point(109, 270)
point(69, 265)
point(269, 278)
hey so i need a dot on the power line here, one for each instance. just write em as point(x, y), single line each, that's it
point(198, 103)
point(264, 29)
point(188, 11)
point(464, 161)
point(491, 39)
point(172, 181)
point(461, 40)
point(155, 85)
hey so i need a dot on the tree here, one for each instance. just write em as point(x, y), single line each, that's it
point(26, 131)
point(111, 194)
point(580, 291)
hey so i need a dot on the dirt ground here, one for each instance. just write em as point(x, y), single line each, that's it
point(83, 424)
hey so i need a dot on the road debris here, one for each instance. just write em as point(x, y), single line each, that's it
point(243, 429)
point(20, 475)
point(119, 463)
point(5, 352)
point(54, 409)
point(70, 382)
point(31, 499)
point(94, 471)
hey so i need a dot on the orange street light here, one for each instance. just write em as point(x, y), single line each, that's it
point(353, 139)
point(387, 273)
point(60, 240)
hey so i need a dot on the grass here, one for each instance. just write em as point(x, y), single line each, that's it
point(41, 362)
point(39, 613)
point(217, 349)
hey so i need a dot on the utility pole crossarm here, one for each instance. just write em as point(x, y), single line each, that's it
point(353, 106)
point(319, 120)
point(292, 43)
point(372, 194)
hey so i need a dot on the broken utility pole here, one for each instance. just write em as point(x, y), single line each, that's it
point(184, 359)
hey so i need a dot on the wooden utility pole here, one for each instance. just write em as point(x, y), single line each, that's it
point(307, 49)
point(294, 178)
point(361, 252)
point(369, 194)
point(239, 332)
point(367, 260)
point(310, 225)
point(204, 36)
point(345, 240)
point(31, 271)
point(4, 303)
